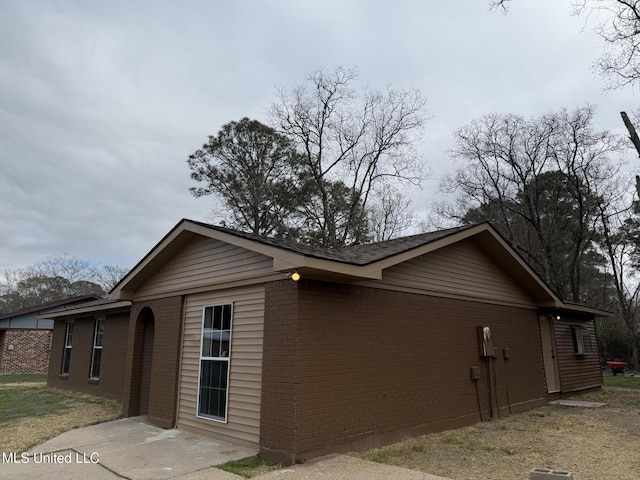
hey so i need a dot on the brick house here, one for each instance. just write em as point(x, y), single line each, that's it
point(25, 339)
point(299, 351)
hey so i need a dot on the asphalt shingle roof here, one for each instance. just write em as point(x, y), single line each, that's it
point(56, 303)
point(354, 255)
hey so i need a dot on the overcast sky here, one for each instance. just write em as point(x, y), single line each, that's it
point(102, 102)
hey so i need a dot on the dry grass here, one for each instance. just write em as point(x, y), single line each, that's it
point(31, 413)
point(592, 443)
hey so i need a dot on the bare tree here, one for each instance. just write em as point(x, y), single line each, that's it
point(65, 266)
point(54, 278)
point(108, 276)
point(616, 240)
point(635, 140)
point(499, 4)
point(538, 180)
point(620, 61)
point(356, 140)
point(391, 216)
point(620, 29)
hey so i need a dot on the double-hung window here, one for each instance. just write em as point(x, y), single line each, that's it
point(66, 354)
point(214, 362)
point(96, 355)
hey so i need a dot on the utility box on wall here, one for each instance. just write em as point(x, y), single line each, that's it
point(485, 343)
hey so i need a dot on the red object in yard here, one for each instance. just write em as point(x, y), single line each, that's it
point(617, 367)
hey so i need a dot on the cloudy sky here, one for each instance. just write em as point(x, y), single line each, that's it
point(102, 102)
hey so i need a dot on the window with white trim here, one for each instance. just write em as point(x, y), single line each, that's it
point(214, 362)
point(583, 340)
point(66, 354)
point(96, 355)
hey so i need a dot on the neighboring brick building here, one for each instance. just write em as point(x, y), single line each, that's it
point(300, 351)
point(25, 339)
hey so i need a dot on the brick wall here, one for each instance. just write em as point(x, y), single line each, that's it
point(25, 351)
point(165, 316)
point(278, 428)
point(356, 367)
point(114, 350)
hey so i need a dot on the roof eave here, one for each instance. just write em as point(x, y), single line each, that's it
point(317, 268)
point(311, 266)
point(596, 312)
point(111, 307)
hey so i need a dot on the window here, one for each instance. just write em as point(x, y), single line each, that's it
point(214, 362)
point(66, 354)
point(96, 356)
point(583, 340)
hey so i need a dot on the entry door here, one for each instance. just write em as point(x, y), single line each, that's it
point(549, 355)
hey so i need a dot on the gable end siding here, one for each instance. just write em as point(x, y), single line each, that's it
point(461, 270)
point(204, 262)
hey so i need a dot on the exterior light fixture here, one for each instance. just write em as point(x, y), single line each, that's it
point(295, 276)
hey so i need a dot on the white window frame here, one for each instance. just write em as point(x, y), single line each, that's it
point(99, 322)
point(225, 358)
point(68, 345)
point(583, 340)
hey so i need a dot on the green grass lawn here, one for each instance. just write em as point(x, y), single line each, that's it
point(31, 412)
point(18, 402)
point(249, 467)
point(621, 381)
point(23, 378)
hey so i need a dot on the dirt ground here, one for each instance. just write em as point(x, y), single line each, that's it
point(592, 443)
point(19, 435)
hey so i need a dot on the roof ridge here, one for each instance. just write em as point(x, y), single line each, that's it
point(416, 235)
point(361, 254)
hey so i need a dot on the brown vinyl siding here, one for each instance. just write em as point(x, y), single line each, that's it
point(460, 270)
point(205, 262)
point(577, 371)
point(349, 364)
point(245, 380)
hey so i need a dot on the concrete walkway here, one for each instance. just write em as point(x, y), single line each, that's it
point(128, 448)
point(343, 467)
point(132, 449)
